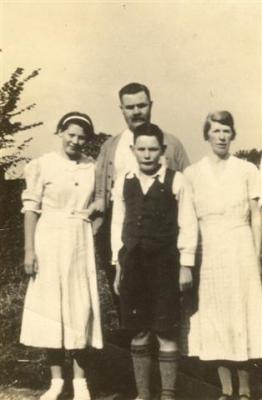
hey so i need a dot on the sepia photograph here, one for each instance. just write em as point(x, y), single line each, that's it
point(130, 200)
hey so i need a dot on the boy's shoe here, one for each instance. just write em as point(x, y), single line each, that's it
point(54, 391)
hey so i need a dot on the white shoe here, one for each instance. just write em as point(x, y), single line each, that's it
point(54, 391)
point(81, 391)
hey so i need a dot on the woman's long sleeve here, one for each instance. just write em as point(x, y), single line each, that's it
point(187, 221)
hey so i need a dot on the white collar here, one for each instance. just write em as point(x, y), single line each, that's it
point(136, 172)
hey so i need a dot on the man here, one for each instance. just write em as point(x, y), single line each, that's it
point(116, 156)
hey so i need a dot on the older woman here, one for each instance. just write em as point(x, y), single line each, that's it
point(61, 308)
point(228, 324)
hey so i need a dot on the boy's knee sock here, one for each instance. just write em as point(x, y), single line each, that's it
point(168, 361)
point(141, 357)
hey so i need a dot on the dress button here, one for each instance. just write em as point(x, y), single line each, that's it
point(76, 183)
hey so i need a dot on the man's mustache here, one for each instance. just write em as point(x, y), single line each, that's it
point(138, 119)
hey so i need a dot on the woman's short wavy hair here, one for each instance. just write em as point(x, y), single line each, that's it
point(223, 117)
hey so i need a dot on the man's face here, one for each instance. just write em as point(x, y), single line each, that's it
point(148, 151)
point(136, 109)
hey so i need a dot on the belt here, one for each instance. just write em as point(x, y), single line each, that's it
point(68, 213)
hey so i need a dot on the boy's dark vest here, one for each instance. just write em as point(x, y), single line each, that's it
point(151, 218)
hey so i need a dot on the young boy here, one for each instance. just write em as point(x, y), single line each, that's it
point(152, 218)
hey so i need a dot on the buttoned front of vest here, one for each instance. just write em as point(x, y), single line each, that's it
point(151, 218)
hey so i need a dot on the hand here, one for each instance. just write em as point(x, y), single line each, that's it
point(100, 205)
point(91, 209)
point(30, 263)
point(116, 283)
point(96, 207)
point(185, 278)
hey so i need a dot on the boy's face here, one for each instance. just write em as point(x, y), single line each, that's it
point(148, 151)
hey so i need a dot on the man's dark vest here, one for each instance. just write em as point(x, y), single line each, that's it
point(151, 218)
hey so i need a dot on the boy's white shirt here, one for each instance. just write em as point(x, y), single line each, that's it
point(187, 222)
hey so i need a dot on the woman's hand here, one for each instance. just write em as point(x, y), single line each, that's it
point(30, 264)
point(116, 283)
point(185, 278)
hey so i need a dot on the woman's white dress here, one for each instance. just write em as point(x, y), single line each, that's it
point(61, 306)
point(228, 323)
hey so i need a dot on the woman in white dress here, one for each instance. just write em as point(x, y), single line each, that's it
point(228, 324)
point(61, 308)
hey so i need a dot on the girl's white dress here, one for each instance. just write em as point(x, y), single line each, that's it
point(228, 323)
point(61, 306)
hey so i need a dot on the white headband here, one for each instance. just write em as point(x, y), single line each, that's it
point(78, 117)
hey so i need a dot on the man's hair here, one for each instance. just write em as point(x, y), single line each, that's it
point(148, 129)
point(133, 88)
point(223, 117)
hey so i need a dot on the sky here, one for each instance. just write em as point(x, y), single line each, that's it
point(195, 57)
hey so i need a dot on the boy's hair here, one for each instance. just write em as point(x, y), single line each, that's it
point(148, 129)
point(133, 88)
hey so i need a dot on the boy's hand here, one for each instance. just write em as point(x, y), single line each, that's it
point(185, 278)
point(117, 279)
